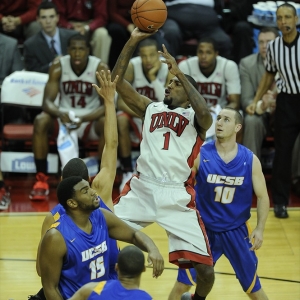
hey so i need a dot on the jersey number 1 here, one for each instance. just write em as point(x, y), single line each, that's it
point(167, 141)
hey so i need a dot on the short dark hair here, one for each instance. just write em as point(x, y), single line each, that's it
point(75, 167)
point(131, 261)
point(78, 37)
point(192, 81)
point(238, 117)
point(65, 189)
point(269, 29)
point(47, 5)
point(208, 40)
point(288, 5)
point(147, 42)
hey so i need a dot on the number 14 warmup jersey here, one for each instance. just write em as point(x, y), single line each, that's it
point(224, 191)
point(170, 143)
point(77, 92)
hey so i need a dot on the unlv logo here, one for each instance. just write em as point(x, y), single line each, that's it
point(171, 120)
point(77, 87)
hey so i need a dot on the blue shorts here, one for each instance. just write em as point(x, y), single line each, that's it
point(235, 245)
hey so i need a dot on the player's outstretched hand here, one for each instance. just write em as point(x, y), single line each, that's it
point(140, 35)
point(156, 259)
point(170, 61)
point(107, 87)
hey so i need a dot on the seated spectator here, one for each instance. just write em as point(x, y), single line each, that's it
point(18, 18)
point(10, 57)
point(234, 15)
point(217, 78)
point(72, 77)
point(10, 61)
point(48, 45)
point(149, 76)
point(4, 194)
point(88, 18)
point(251, 71)
point(193, 19)
point(120, 27)
point(130, 266)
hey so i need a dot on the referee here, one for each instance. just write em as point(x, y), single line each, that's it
point(283, 57)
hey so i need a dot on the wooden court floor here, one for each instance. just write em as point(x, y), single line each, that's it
point(279, 260)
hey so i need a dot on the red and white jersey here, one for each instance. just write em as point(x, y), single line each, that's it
point(153, 91)
point(76, 92)
point(170, 143)
point(224, 81)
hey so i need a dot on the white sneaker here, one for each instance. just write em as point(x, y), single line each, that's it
point(126, 177)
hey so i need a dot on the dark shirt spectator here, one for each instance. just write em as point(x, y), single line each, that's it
point(194, 19)
point(10, 58)
point(18, 17)
point(88, 18)
point(120, 27)
point(39, 53)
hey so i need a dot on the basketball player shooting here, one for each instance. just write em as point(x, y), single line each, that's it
point(162, 192)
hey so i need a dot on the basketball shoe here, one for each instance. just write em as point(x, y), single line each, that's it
point(187, 296)
point(4, 199)
point(40, 189)
point(126, 177)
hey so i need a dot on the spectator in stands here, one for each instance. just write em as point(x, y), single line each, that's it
point(48, 45)
point(120, 27)
point(130, 266)
point(72, 77)
point(193, 19)
point(17, 18)
point(149, 76)
point(251, 71)
point(10, 57)
point(4, 194)
point(10, 61)
point(234, 14)
point(217, 78)
point(88, 18)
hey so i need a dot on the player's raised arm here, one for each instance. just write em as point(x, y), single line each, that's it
point(198, 103)
point(131, 97)
point(103, 182)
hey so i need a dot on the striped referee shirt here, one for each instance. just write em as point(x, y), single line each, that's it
point(285, 59)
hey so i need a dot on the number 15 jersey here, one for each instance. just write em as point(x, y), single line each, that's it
point(77, 92)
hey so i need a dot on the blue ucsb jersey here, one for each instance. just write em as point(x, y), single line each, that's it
point(87, 257)
point(59, 210)
point(224, 191)
point(114, 290)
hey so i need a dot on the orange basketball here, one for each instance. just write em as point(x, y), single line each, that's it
point(148, 15)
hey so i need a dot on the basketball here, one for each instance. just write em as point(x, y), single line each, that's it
point(148, 15)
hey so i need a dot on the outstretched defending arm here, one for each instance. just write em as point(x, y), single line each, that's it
point(104, 180)
point(136, 102)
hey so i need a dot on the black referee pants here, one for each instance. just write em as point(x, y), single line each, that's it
point(287, 128)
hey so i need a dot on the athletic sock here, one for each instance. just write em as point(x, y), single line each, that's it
point(41, 165)
point(126, 164)
point(197, 297)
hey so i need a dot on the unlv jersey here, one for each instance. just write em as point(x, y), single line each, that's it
point(225, 79)
point(170, 143)
point(142, 85)
point(76, 92)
